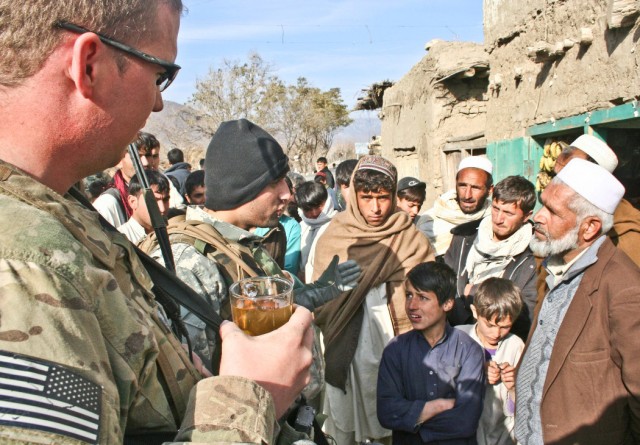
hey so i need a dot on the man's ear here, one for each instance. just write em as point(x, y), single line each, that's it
point(590, 228)
point(133, 202)
point(88, 63)
point(448, 305)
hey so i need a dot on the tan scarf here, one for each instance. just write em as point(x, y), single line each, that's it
point(445, 214)
point(386, 253)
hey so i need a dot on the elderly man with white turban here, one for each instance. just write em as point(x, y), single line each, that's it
point(579, 378)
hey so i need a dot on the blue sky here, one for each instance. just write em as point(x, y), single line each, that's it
point(346, 44)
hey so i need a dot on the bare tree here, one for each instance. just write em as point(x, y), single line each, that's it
point(303, 118)
point(235, 90)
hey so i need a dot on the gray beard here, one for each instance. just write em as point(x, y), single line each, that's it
point(549, 247)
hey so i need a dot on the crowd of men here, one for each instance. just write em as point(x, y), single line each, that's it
point(476, 321)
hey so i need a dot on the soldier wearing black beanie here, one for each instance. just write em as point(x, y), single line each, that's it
point(242, 159)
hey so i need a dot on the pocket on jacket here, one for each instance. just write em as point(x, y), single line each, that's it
point(589, 356)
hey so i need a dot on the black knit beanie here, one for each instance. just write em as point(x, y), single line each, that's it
point(242, 159)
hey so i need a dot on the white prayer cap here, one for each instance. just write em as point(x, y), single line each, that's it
point(598, 150)
point(481, 162)
point(593, 183)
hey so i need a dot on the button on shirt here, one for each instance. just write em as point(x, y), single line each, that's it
point(413, 373)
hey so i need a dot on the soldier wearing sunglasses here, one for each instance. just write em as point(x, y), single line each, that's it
point(85, 353)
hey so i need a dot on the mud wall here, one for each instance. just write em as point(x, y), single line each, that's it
point(557, 58)
point(421, 113)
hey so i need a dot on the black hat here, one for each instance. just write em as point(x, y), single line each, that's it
point(410, 182)
point(242, 159)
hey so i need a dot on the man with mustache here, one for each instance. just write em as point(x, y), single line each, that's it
point(468, 202)
point(579, 379)
point(496, 246)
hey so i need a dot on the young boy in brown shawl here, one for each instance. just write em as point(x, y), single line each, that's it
point(358, 324)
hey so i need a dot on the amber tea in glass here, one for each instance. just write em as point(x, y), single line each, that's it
point(261, 304)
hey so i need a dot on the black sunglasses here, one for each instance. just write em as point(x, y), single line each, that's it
point(165, 79)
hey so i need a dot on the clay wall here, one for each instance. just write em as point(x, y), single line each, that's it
point(551, 59)
point(420, 114)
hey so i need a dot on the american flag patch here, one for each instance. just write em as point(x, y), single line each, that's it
point(44, 396)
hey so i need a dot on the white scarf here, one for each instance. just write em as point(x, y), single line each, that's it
point(488, 257)
point(309, 229)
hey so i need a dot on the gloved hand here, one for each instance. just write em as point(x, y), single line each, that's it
point(337, 278)
point(344, 275)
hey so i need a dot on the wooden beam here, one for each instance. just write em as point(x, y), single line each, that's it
point(621, 13)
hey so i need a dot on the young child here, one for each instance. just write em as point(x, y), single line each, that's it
point(431, 380)
point(496, 305)
point(410, 196)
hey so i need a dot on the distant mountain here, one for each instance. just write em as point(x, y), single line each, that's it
point(365, 125)
point(176, 126)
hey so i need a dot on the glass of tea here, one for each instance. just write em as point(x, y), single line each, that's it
point(261, 304)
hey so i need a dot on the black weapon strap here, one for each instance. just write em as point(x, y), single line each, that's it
point(169, 289)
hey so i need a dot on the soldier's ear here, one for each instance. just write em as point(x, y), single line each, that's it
point(91, 62)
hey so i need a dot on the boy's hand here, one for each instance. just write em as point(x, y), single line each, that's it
point(435, 407)
point(493, 373)
point(508, 375)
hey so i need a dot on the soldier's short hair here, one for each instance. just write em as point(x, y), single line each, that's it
point(28, 34)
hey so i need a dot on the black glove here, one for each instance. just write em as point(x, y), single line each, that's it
point(337, 278)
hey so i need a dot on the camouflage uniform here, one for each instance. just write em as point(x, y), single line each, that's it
point(203, 274)
point(77, 298)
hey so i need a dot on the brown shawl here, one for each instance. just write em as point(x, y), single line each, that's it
point(385, 253)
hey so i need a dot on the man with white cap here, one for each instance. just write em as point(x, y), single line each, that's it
point(625, 233)
point(468, 202)
point(579, 378)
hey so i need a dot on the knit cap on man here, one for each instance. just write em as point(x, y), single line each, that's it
point(242, 159)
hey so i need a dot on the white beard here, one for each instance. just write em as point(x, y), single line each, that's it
point(548, 247)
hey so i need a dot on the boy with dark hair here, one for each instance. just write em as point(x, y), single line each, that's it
point(343, 179)
point(321, 165)
point(139, 225)
point(431, 379)
point(496, 306)
point(179, 170)
point(411, 195)
point(194, 188)
point(358, 324)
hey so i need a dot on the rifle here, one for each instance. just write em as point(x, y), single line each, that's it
point(157, 220)
point(168, 289)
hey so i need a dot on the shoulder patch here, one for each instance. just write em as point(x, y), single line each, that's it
point(44, 396)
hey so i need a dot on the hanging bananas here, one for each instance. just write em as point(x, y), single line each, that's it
point(552, 150)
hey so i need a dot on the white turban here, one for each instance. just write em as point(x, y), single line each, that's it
point(598, 150)
point(481, 162)
point(593, 183)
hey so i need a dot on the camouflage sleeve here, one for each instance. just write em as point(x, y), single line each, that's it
point(229, 409)
point(203, 276)
point(48, 329)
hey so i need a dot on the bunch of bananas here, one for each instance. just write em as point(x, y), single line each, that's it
point(552, 150)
